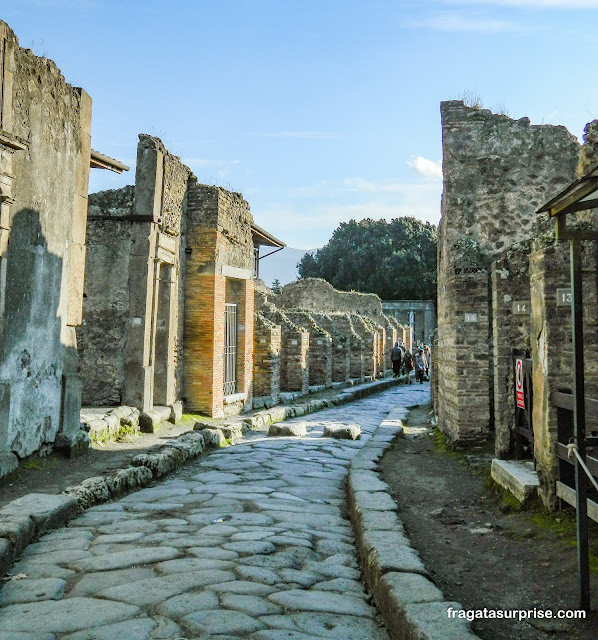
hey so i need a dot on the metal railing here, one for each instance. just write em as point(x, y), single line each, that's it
point(230, 349)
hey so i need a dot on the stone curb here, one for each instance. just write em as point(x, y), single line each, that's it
point(24, 520)
point(412, 606)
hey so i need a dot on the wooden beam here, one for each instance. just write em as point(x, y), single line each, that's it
point(566, 493)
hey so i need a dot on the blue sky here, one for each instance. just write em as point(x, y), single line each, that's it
point(318, 111)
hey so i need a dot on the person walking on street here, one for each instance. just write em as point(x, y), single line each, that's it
point(396, 357)
point(408, 365)
point(420, 366)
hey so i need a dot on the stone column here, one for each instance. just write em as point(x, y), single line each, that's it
point(138, 382)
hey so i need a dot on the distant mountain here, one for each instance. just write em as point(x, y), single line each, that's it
point(281, 265)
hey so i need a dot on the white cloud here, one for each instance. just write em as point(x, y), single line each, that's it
point(310, 221)
point(452, 22)
point(426, 167)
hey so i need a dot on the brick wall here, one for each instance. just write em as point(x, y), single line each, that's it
point(267, 353)
point(356, 344)
point(218, 242)
point(341, 347)
point(320, 347)
point(294, 369)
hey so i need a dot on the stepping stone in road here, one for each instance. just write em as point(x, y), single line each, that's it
point(343, 432)
point(287, 429)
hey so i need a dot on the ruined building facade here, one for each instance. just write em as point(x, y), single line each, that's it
point(45, 154)
point(168, 293)
point(499, 273)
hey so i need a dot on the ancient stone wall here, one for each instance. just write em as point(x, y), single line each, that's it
point(316, 294)
point(106, 315)
point(511, 310)
point(497, 171)
point(370, 338)
point(294, 368)
point(320, 347)
point(267, 353)
point(131, 340)
point(341, 347)
point(45, 147)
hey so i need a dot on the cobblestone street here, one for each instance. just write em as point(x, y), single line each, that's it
point(252, 541)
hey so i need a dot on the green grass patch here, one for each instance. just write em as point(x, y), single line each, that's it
point(199, 416)
point(36, 465)
point(562, 525)
point(124, 432)
point(508, 503)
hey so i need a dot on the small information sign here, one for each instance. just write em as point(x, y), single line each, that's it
point(520, 307)
point(471, 317)
point(519, 383)
point(563, 297)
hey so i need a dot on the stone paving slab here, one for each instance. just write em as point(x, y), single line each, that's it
point(271, 537)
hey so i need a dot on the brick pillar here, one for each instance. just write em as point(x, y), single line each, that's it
point(204, 340)
point(463, 357)
point(245, 325)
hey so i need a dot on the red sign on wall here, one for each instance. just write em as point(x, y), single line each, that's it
point(519, 383)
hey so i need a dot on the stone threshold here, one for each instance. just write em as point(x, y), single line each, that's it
point(411, 605)
point(24, 520)
point(516, 476)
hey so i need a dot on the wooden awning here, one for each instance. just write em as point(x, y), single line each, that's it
point(578, 196)
point(262, 238)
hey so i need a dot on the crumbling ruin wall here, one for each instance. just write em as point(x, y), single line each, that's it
point(45, 147)
point(370, 338)
point(103, 333)
point(497, 171)
point(341, 347)
point(316, 294)
point(320, 347)
point(342, 321)
point(511, 309)
point(294, 370)
point(131, 336)
point(267, 358)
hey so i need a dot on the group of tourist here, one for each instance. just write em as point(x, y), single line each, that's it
point(404, 362)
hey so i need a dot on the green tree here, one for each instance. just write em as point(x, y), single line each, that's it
point(276, 286)
point(396, 259)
